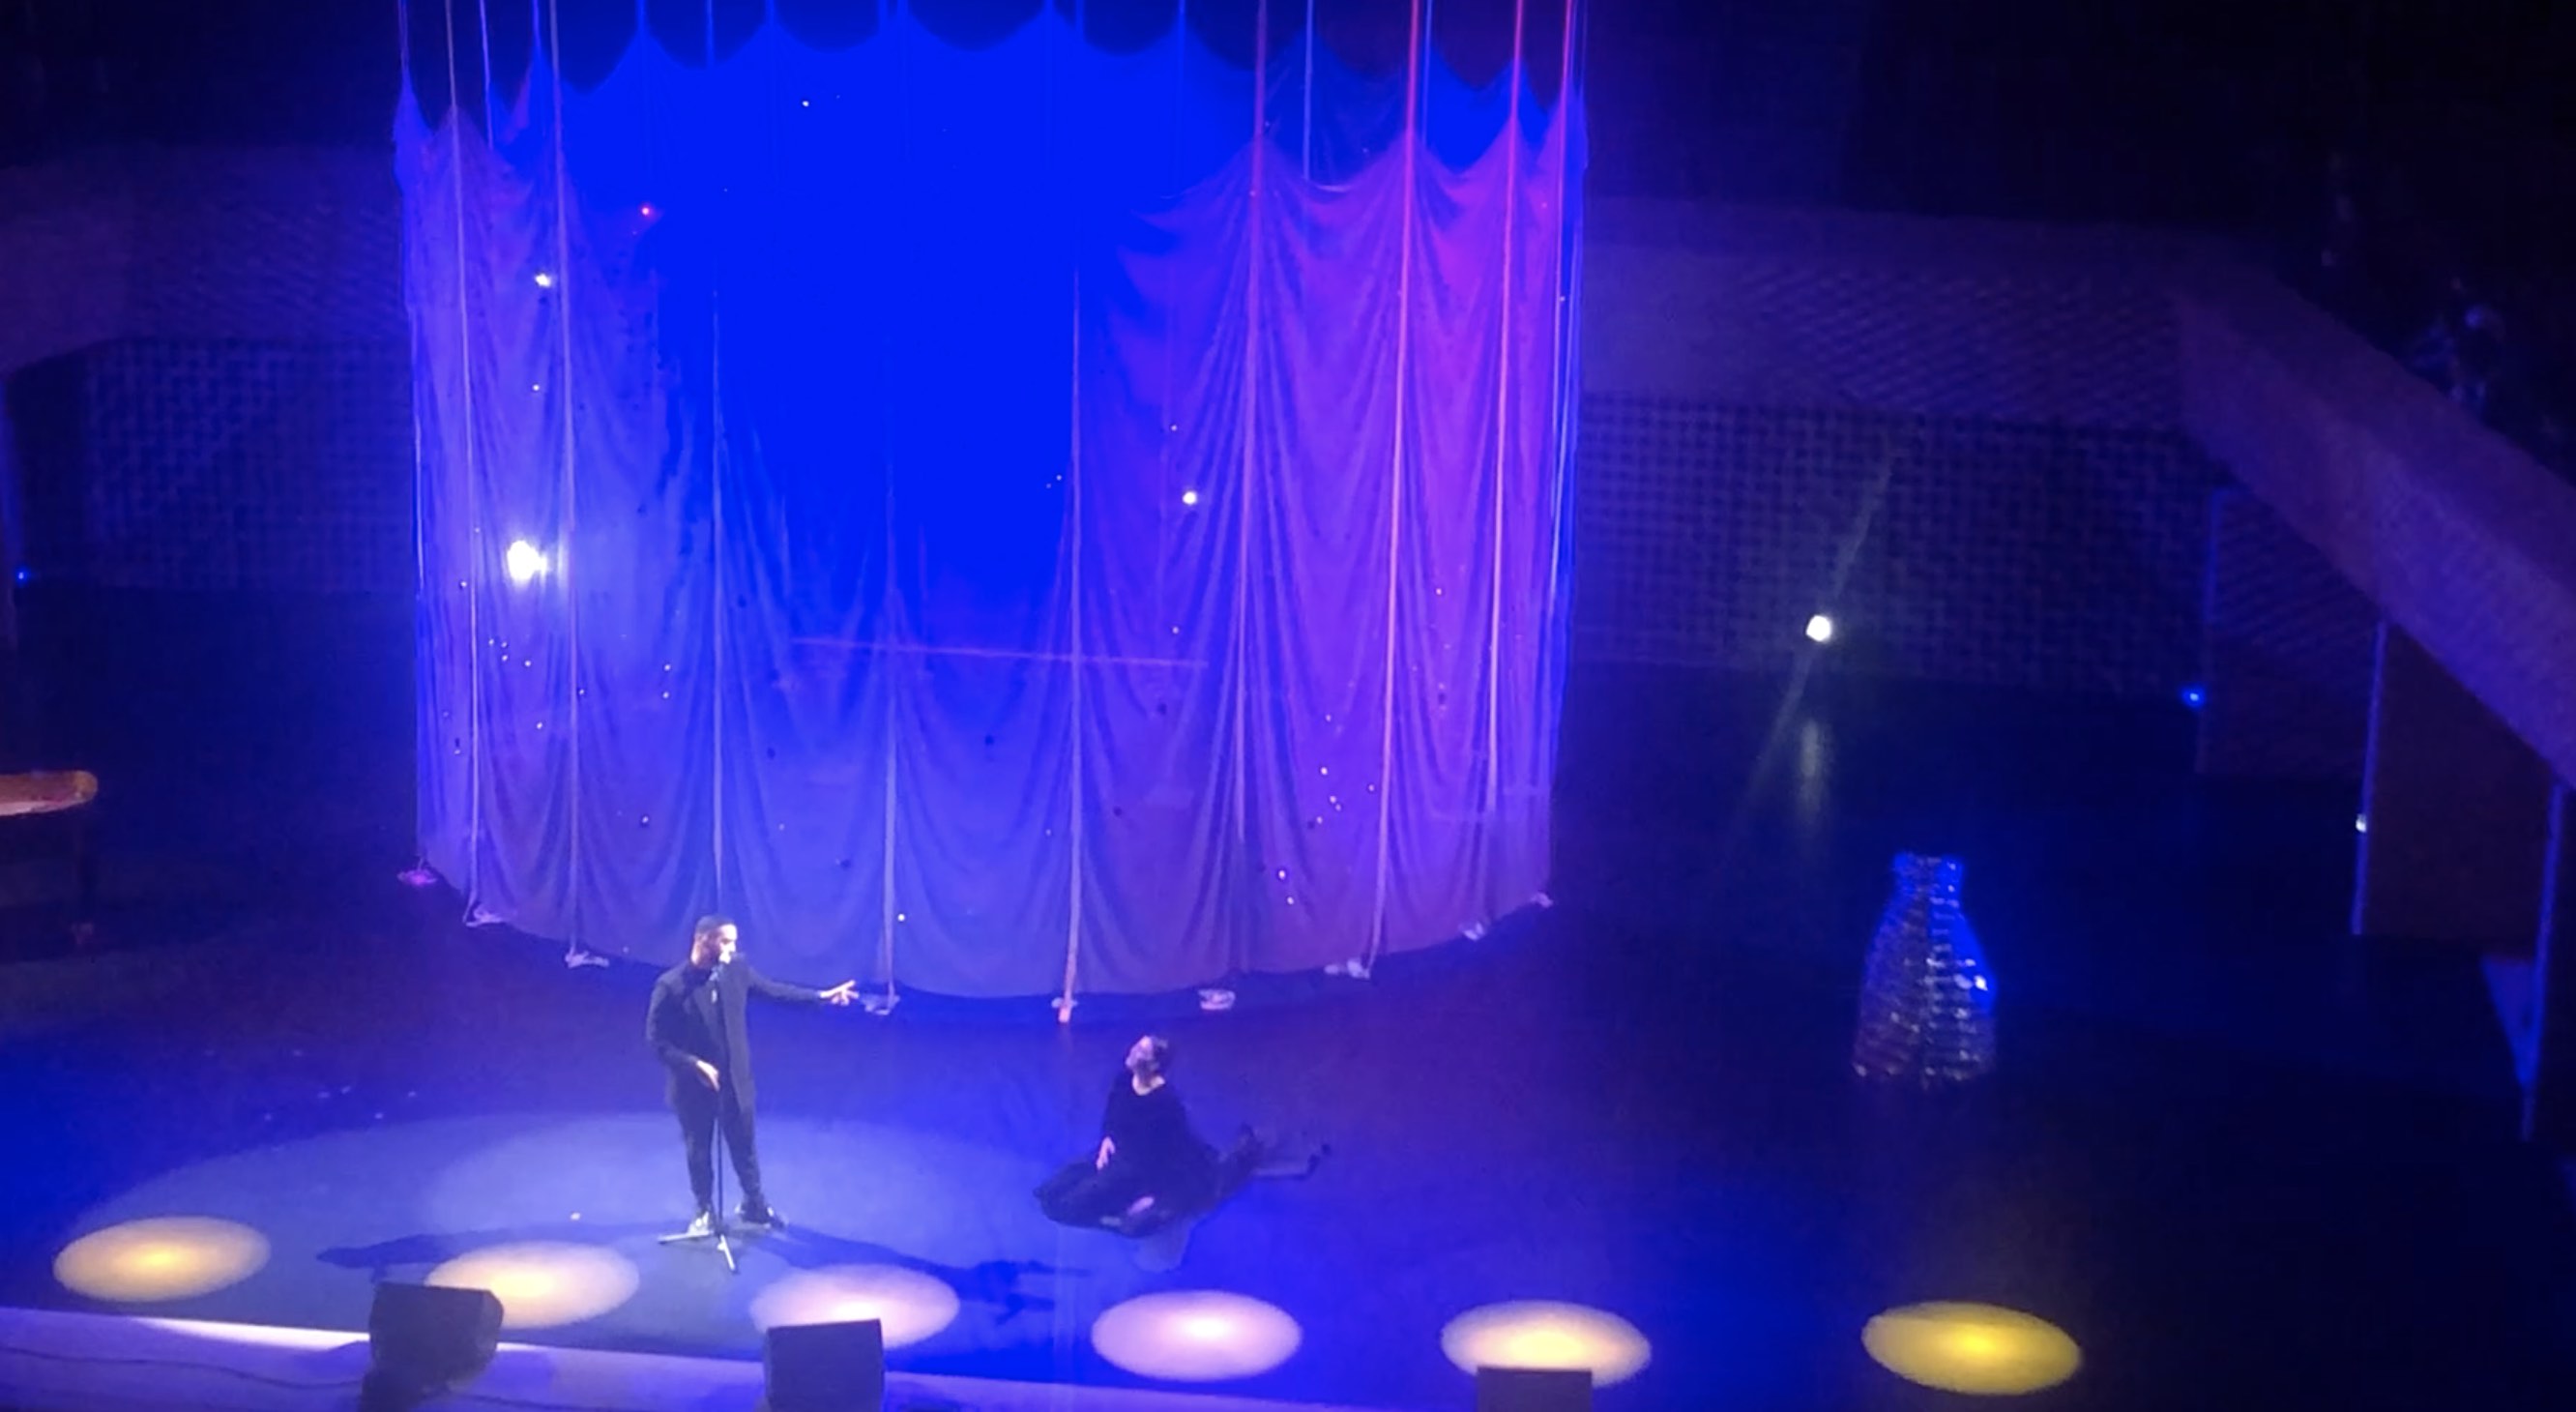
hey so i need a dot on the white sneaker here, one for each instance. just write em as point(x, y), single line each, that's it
point(704, 1225)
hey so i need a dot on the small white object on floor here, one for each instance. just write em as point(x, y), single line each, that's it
point(1216, 998)
point(881, 1004)
point(478, 916)
point(1063, 1009)
point(417, 876)
point(1473, 931)
point(1355, 968)
point(575, 958)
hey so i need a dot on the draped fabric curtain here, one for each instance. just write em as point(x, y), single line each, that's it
point(1001, 499)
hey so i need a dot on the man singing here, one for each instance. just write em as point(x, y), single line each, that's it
point(696, 1026)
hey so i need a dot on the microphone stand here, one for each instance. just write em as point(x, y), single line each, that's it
point(716, 1223)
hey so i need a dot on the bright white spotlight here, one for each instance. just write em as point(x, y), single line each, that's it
point(543, 1285)
point(258, 1335)
point(524, 562)
point(1542, 1336)
point(1189, 497)
point(1977, 1349)
point(1196, 1337)
point(908, 1305)
point(167, 1257)
point(545, 280)
point(1820, 629)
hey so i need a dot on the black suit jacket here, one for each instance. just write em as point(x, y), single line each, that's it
point(701, 1015)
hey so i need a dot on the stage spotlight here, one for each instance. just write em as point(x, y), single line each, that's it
point(1977, 1349)
point(524, 562)
point(2361, 823)
point(545, 280)
point(1547, 1337)
point(1820, 629)
point(1189, 497)
point(167, 1257)
point(258, 1335)
point(909, 1305)
point(1198, 1336)
point(2194, 697)
point(543, 1285)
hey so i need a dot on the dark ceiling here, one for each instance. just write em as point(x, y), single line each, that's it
point(2167, 111)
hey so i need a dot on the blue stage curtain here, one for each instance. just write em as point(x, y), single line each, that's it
point(1000, 507)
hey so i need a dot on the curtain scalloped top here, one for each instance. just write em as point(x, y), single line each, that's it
point(497, 47)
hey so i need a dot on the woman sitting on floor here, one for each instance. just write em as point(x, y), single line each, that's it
point(1151, 1168)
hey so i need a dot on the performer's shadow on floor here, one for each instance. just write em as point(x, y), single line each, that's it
point(405, 1254)
point(994, 1284)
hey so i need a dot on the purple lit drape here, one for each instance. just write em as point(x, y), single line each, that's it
point(981, 516)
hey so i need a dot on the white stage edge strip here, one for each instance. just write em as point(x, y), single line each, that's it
point(56, 1362)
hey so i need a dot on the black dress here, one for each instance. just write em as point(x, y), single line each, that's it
point(1154, 1152)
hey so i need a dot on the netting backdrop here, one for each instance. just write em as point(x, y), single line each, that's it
point(1001, 498)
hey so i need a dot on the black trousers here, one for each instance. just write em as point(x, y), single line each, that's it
point(1080, 1194)
point(1083, 1195)
point(700, 1109)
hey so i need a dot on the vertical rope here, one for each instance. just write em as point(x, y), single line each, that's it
point(483, 34)
point(890, 18)
point(569, 491)
point(1246, 492)
point(473, 490)
point(1073, 510)
point(423, 586)
point(1306, 114)
point(1171, 189)
point(1564, 405)
point(715, 494)
point(1412, 140)
point(1511, 145)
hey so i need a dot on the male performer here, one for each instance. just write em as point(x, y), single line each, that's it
point(695, 1024)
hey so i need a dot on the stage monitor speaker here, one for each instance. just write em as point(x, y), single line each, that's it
point(825, 1367)
point(1533, 1390)
point(428, 1339)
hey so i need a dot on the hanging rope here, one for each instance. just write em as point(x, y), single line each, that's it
point(1073, 512)
point(715, 493)
point(889, 606)
point(473, 481)
point(568, 510)
point(1412, 140)
point(1511, 150)
point(1247, 489)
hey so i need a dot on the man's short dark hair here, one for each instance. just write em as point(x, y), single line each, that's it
point(708, 926)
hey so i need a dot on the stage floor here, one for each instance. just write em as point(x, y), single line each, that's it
point(2241, 1160)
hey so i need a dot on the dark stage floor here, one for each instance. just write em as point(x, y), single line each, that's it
point(2243, 1161)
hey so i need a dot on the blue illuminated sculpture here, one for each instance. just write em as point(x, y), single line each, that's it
point(1927, 1008)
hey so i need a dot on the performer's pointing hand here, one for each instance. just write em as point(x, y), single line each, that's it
point(842, 994)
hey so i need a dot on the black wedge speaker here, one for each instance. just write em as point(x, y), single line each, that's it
point(824, 1367)
point(423, 1340)
point(1533, 1390)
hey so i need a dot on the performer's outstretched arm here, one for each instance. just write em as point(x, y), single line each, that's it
point(768, 989)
